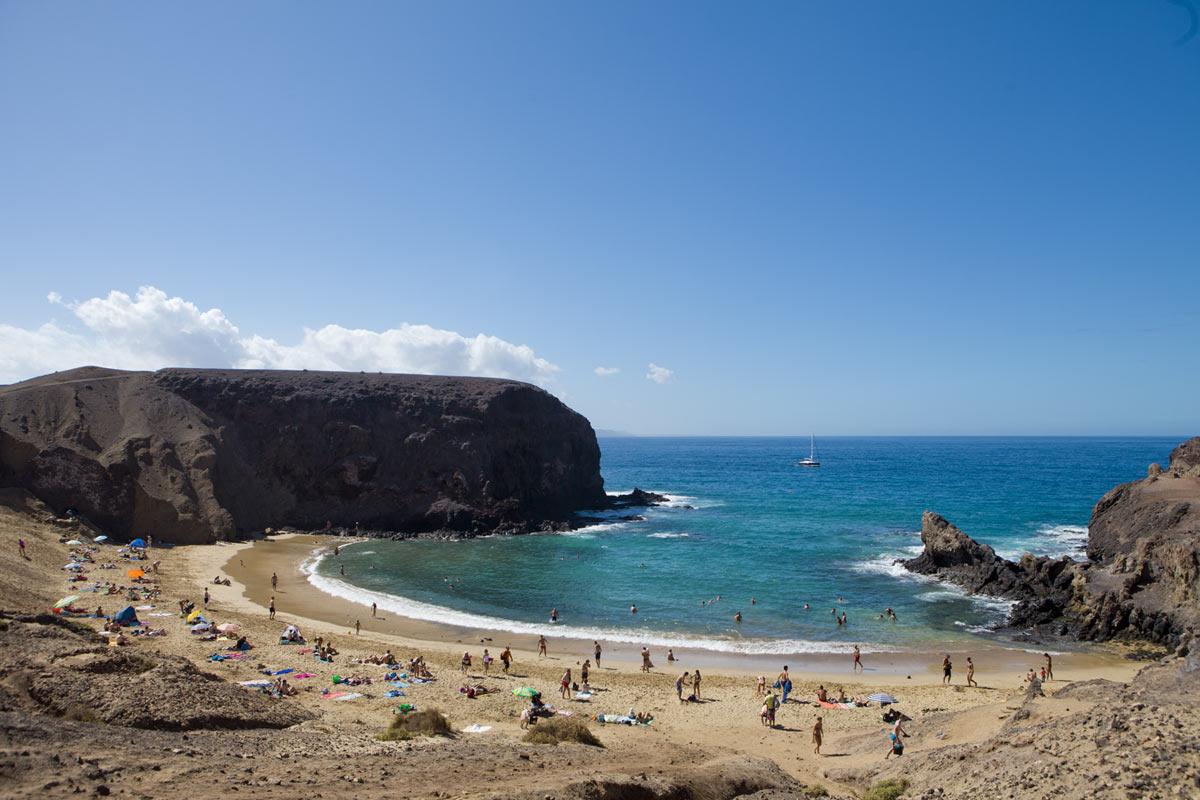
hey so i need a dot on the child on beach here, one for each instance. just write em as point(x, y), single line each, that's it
point(760, 686)
point(566, 684)
point(487, 661)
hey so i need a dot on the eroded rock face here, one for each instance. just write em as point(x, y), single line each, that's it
point(195, 455)
point(1142, 578)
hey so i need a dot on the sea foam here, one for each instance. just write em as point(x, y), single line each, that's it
point(429, 612)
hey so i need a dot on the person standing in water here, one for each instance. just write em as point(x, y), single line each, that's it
point(971, 673)
point(858, 660)
point(554, 615)
point(947, 667)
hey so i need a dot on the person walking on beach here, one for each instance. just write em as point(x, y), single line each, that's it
point(205, 598)
point(487, 661)
point(767, 714)
point(566, 684)
point(858, 661)
point(947, 667)
point(541, 646)
point(696, 685)
point(583, 671)
point(357, 627)
point(784, 683)
point(646, 665)
point(274, 581)
point(818, 731)
point(971, 673)
point(21, 549)
point(465, 664)
point(270, 608)
point(596, 653)
point(1049, 667)
point(373, 607)
point(506, 658)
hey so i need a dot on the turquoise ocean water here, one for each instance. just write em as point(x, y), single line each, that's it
point(760, 527)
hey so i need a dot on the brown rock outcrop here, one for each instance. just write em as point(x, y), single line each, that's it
point(190, 455)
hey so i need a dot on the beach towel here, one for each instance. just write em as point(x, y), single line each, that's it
point(332, 695)
point(824, 704)
point(343, 696)
point(477, 728)
point(398, 684)
point(583, 697)
point(283, 671)
point(299, 676)
point(394, 693)
point(262, 683)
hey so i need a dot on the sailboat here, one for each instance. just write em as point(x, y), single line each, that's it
point(811, 461)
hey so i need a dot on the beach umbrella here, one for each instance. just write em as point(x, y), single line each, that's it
point(882, 697)
point(74, 542)
point(66, 601)
point(192, 617)
point(525, 691)
point(100, 539)
point(228, 627)
point(138, 543)
point(136, 573)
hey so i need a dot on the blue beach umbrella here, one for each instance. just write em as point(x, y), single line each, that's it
point(882, 697)
point(138, 543)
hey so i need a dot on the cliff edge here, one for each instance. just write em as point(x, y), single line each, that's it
point(1141, 579)
point(192, 455)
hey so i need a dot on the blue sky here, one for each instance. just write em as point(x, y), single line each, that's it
point(871, 217)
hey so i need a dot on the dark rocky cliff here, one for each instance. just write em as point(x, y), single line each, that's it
point(191, 455)
point(1142, 577)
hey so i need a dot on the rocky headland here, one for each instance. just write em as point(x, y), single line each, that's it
point(194, 455)
point(1141, 578)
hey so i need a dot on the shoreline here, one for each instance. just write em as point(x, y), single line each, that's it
point(250, 565)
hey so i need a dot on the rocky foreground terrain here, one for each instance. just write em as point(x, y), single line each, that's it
point(191, 456)
point(1141, 580)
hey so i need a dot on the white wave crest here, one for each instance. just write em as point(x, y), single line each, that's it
point(668, 535)
point(415, 609)
point(1049, 540)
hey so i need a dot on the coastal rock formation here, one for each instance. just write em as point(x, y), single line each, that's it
point(1142, 577)
point(1042, 586)
point(190, 455)
point(1144, 545)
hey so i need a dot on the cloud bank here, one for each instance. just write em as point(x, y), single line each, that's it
point(152, 330)
point(659, 374)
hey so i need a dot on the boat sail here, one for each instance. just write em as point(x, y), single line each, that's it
point(811, 461)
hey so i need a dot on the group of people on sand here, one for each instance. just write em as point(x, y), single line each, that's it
point(1046, 673)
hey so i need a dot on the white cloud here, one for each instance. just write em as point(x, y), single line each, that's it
point(152, 330)
point(605, 372)
point(659, 374)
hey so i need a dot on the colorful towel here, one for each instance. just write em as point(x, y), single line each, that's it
point(302, 675)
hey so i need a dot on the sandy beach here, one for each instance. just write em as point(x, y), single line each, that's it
point(691, 737)
point(252, 564)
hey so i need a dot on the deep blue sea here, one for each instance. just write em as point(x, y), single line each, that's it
point(745, 523)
